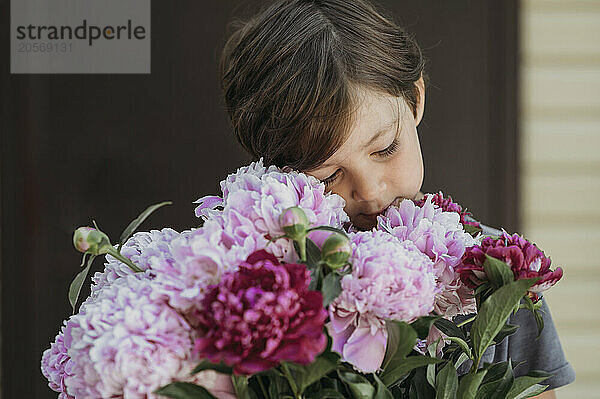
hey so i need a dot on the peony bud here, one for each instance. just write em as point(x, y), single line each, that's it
point(294, 223)
point(336, 250)
point(91, 241)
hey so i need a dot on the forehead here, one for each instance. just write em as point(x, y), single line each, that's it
point(374, 112)
point(374, 109)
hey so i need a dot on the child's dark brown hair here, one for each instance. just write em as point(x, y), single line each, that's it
point(290, 75)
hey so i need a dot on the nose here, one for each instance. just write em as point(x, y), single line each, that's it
point(368, 187)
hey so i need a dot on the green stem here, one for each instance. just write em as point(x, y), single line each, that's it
point(302, 246)
point(291, 381)
point(475, 365)
point(113, 252)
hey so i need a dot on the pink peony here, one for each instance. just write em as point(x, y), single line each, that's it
point(440, 236)
point(123, 344)
point(390, 279)
point(56, 365)
point(261, 315)
point(199, 258)
point(524, 258)
point(255, 197)
point(142, 248)
point(448, 206)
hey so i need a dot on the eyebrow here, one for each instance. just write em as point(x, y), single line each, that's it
point(376, 136)
point(379, 132)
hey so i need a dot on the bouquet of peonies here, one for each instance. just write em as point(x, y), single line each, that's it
point(276, 295)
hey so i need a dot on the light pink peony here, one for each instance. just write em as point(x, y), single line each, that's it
point(439, 235)
point(390, 279)
point(447, 205)
point(255, 197)
point(142, 248)
point(123, 344)
point(57, 364)
point(200, 258)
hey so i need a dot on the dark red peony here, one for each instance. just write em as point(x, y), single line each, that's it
point(524, 258)
point(261, 315)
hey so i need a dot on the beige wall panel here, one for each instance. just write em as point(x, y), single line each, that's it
point(561, 90)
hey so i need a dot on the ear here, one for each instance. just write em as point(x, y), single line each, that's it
point(420, 86)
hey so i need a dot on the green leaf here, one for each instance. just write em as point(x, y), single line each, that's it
point(326, 393)
point(495, 372)
point(206, 365)
point(446, 382)
point(328, 228)
point(313, 254)
point(430, 372)
point(530, 392)
point(184, 390)
point(242, 388)
point(505, 331)
point(461, 359)
point(318, 369)
point(498, 272)
point(534, 308)
point(468, 385)
point(401, 339)
point(423, 324)
point(419, 388)
point(463, 345)
point(494, 312)
point(539, 320)
point(391, 346)
point(77, 283)
point(527, 384)
point(315, 277)
point(382, 391)
point(473, 230)
point(135, 223)
point(358, 385)
point(498, 387)
point(482, 287)
point(505, 384)
point(449, 328)
point(391, 376)
point(332, 286)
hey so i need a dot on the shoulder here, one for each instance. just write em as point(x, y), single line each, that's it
point(529, 352)
point(539, 353)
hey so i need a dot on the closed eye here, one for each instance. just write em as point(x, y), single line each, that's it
point(328, 181)
point(391, 149)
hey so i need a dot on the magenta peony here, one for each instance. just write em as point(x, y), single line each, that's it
point(390, 279)
point(440, 236)
point(261, 315)
point(524, 258)
point(448, 206)
point(255, 197)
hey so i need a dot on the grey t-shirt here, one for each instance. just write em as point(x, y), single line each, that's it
point(544, 353)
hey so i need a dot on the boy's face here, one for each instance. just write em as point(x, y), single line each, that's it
point(380, 163)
